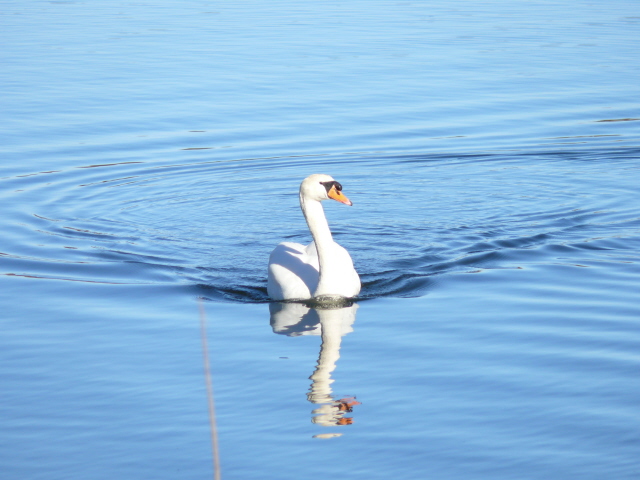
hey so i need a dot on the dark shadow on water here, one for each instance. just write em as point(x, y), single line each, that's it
point(391, 283)
point(237, 293)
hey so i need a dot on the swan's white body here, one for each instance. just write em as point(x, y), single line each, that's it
point(321, 269)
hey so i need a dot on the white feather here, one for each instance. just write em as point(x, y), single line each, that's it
point(322, 268)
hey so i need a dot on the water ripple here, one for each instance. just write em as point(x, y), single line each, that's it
point(213, 224)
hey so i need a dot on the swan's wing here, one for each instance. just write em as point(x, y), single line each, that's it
point(293, 272)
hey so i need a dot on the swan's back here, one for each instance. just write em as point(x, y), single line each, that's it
point(294, 272)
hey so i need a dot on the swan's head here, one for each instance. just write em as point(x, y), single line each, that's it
point(322, 187)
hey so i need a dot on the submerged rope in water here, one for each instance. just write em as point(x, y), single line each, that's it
point(210, 402)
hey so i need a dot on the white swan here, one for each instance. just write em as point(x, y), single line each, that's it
point(323, 269)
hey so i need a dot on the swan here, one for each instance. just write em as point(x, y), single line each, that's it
point(322, 270)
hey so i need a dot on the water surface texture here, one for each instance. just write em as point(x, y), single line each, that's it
point(151, 154)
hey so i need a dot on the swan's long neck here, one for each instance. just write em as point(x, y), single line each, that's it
point(319, 228)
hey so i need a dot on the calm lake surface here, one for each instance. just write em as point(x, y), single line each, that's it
point(151, 157)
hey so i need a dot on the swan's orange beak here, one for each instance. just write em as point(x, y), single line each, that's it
point(336, 194)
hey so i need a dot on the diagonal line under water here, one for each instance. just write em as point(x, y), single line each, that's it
point(210, 400)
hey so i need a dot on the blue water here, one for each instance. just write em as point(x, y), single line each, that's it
point(151, 156)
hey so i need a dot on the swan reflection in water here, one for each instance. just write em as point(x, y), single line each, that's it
point(295, 319)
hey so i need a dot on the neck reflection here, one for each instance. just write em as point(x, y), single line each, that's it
point(295, 319)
